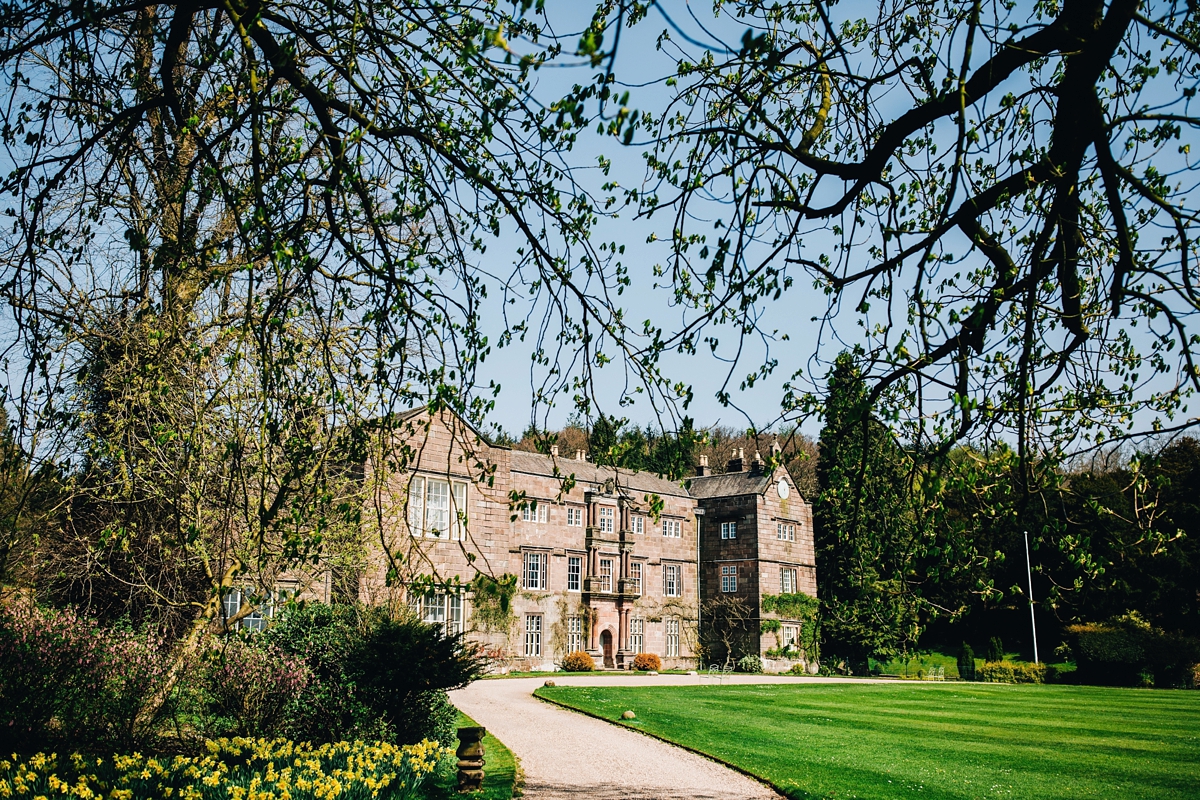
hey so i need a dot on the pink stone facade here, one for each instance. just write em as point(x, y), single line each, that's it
point(606, 560)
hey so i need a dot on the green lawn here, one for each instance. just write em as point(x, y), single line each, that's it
point(499, 771)
point(933, 740)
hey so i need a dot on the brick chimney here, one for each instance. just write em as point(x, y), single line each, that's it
point(702, 468)
point(757, 465)
point(736, 460)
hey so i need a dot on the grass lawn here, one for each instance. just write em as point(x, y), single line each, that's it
point(499, 771)
point(933, 740)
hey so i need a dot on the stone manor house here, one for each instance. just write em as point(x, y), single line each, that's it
point(610, 561)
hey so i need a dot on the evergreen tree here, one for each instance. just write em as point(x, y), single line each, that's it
point(864, 529)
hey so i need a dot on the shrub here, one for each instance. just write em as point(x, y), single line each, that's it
point(1010, 672)
point(799, 668)
point(647, 662)
point(67, 682)
point(750, 663)
point(996, 672)
point(921, 674)
point(1127, 651)
point(374, 677)
point(578, 661)
point(245, 689)
point(966, 663)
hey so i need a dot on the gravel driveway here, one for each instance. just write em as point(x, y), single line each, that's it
point(570, 756)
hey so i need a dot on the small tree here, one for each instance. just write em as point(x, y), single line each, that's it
point(966, 663)
point(995, 650)
point(728, 629)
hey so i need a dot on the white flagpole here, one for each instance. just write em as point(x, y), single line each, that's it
point(1032, 620)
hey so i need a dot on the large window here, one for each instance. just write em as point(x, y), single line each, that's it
point(436, 507)
point(785, 531)
point(672, 626)
point(533, 635)
point(606, 574)
point(787, 580)
point(606, 519)
point(574, 573)
point(535, 568)
point(635, 577)
point(728, 530)
point(639, 523)
point(444, 609)
point(672, 528)
point(672, 585)
point(636, 626)
point(729, 578)
point(575, 517)
point(574, 634)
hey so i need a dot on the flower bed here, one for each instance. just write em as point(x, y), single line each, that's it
point(238, 769)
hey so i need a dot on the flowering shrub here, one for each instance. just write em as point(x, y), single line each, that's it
point(238, 769)
point(245, 689)
point(578, 661)
point(64, 680)
point(645, 662)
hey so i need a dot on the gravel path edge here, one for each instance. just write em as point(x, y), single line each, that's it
point(617, 723)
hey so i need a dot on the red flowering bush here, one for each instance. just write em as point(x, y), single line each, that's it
point(65, 681)
point(245, 688)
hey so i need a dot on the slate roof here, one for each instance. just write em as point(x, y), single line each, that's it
point(730, 484)
point(587, 472)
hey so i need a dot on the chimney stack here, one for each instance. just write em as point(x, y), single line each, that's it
point(757, 465)
point(580, 455)
point(702, 468)
point(736, 460)
point(554, 450)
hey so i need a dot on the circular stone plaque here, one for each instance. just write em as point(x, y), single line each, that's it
point(784, 490)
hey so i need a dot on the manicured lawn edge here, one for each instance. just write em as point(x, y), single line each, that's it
point(625, 725)
point(491, 745)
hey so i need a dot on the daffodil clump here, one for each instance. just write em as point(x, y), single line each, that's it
point(233, 769)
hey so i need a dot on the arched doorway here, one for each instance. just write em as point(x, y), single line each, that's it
point(606, 644)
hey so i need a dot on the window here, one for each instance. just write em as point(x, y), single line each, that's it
point(671, 528)
point(788, 636)
point(444, 609)
point(787, 580)
point(533, 635)
point(639, 524)
point(574, 634)
point(534, 576)
point(531, 514)
point(606, 566)
point(635, 577)
point(574, 572)
point(785, 531)
point(606, 519)
point(431, 509)
point(672, 637)
point(729, 578)
point(728, 530)
point(672, 585)
point(263, 612)
point(575, 517)
point(636, 625)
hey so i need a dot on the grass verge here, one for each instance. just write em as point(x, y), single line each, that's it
point(502, 777)
point(934, 740)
